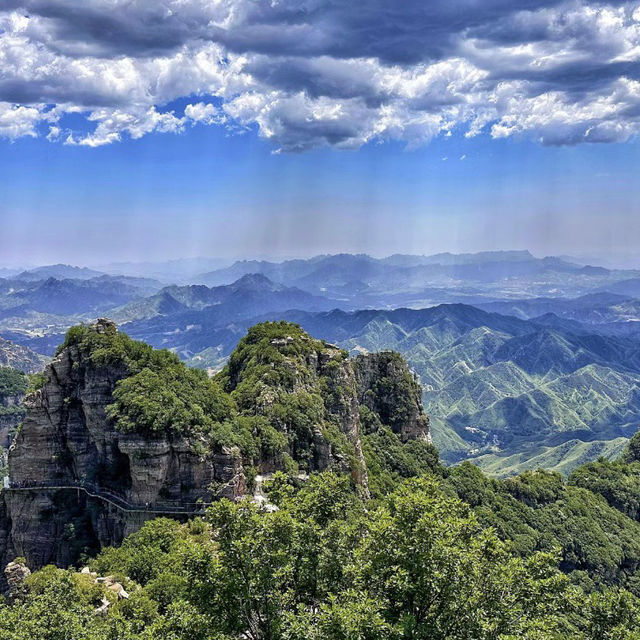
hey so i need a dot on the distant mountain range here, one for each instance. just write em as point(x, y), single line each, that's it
point(495, 386)
point(419, 281)
point(250, 296)
point(397, 280)
point(58, 271)
point(171, 271)
point(630, 287)
point(52, 304)
point(70, 297)
point(593, 308)
point(530, 361)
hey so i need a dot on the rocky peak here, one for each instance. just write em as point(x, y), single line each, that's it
point(392, 391)
point(255, 282)
point(120, 433)
point(77, 482)
point(104, 326)
point(304, 390)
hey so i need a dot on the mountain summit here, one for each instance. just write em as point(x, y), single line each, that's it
point(119, 432)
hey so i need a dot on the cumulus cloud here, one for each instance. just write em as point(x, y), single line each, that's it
point(17, 121)
point(316, 73)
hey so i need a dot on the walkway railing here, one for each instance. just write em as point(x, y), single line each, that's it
point(173, 507)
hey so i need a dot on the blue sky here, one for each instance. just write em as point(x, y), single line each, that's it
point(162, 143)
point(208, 192)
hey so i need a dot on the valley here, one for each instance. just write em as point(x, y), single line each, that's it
point(524, 362)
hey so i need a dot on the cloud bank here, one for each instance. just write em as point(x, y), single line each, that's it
point(320, 73)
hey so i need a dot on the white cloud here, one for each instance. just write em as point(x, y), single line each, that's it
point(310, 73)
point(202, 113)
point(112, 123)
point(18, 121)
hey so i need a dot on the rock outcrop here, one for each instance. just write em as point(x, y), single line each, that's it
point(67, 440)
point(387, 387)
point(16, 573)
point(78, 483)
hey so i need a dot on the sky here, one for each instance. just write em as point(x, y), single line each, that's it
point(139, 131)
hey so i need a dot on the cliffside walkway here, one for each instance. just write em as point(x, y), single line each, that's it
point(164, 508)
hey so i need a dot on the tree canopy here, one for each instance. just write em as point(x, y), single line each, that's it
point(323, 566)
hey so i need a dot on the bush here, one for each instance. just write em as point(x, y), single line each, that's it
point(13, 382)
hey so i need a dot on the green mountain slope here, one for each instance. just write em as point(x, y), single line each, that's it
point(507, 393)
point(562, 458)
point(493, 384)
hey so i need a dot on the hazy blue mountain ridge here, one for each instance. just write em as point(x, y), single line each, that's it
point(511, 380)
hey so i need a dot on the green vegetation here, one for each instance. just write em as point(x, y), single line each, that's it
point(562, 458)
point(15, 412)
point(505, 392)
point(294, 390)
point(12, 382)
point(434, 553)
point(171, 399)
point(158, 394)
point(591, 520)
point(539, 511)
point(105, 346)
point(280, 399)
point(389, 460)
point(618, 481)
point(13, 386)
point(36, 382)
point(418, 565)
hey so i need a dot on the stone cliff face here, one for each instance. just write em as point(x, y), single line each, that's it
point(66, 437)
point(77, 483)
point(67, 440)
point(387, 387)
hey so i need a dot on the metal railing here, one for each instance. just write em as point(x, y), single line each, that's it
point(173, 507)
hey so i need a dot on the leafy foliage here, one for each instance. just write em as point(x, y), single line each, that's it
point(419, 565)
point(13, 386)
point(157, 394)
point(632, 452)
point(539, 511)
point(389, 460)
point(617, 482)
point(171, 399)
point(12, 382)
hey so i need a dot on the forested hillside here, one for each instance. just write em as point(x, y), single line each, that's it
point(532, 557)
point(377, 541)
point(542, 370)
point(510, 394)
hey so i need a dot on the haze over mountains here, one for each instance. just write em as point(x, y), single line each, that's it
point(525, 361)
point(404, 280)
